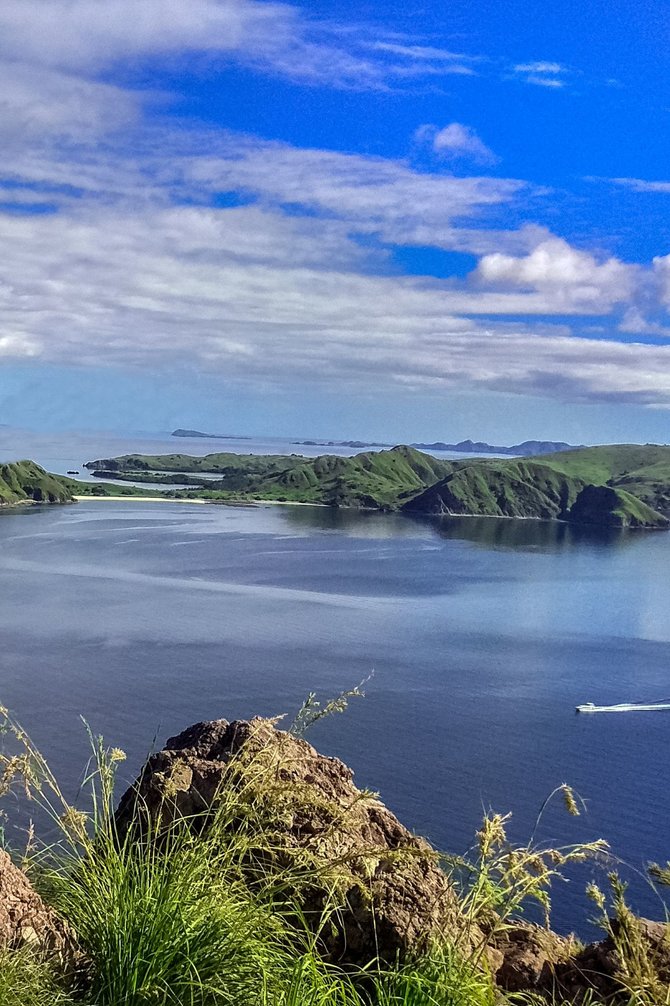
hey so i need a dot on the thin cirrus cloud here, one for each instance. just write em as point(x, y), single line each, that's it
point(542, 73)
point(643, 185)
point(87, 36)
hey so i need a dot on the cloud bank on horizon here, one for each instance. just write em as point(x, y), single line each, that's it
point(278, 198)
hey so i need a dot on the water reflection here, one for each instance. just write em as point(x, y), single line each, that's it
point(488, 532)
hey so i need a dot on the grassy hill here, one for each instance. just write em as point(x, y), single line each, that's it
point(26, 482)
point(555, 486)
point(547, 487)
point(375, 479)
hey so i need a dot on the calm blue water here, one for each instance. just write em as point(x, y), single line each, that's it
point(483, 636)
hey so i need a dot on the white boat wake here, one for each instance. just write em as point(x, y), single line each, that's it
point(624, 707)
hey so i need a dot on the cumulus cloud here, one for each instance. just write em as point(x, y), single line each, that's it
point(455, 141)
point(571, 279)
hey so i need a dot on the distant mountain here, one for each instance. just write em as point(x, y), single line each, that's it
point(196, 434)
point(527, 449)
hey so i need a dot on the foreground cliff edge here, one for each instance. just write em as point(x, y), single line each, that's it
point(621, 485)
point(245, 867)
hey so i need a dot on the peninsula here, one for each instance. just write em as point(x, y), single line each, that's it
point(27, 482)
point(621, 485)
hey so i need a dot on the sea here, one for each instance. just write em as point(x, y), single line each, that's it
point(475, 639)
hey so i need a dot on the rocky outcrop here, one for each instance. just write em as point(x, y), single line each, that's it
point(536, 960)
point(25, 920)
point(392, 896)
point(600, 968)
point(529, 958)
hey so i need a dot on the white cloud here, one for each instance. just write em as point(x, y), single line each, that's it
point(430, 58)
point(456, 141)
point(539, 67)
point(137, 269)
point(256, 296)
point(542, 73)
point(635, 322)
point(88, 36)
point(642, 185)
point(38, 104)
point(544, 81)
point(569, 278)
point(376, 195)
point(661, 266)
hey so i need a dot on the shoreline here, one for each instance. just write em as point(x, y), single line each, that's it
point(199, 500)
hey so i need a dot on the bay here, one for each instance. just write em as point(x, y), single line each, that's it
point(483, 636)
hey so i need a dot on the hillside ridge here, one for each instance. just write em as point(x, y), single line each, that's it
point(547, 487)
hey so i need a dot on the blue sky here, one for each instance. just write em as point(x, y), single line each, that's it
point(364, 219)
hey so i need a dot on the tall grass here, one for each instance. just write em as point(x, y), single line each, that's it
point(26, 979)
point(193, 916)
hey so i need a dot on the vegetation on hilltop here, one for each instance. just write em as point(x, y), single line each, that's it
point(102, 489)
point(552, 486)
point(375, 479)
point(27, 482)
point(545, 487)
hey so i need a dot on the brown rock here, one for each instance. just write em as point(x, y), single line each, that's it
point(530, 955)
point(599, 966)
point(392, 895)
point(25, 920)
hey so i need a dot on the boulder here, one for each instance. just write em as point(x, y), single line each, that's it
point(392, 896)
point(25, 920)
point(530, 955)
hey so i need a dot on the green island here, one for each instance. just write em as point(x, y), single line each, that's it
point(27, 482)
point(623, 485)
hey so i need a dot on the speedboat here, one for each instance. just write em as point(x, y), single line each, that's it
point(623, 707)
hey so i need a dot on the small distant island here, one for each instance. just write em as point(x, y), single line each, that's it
point(338, 443)
point(197, 435)
point(528, 448)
